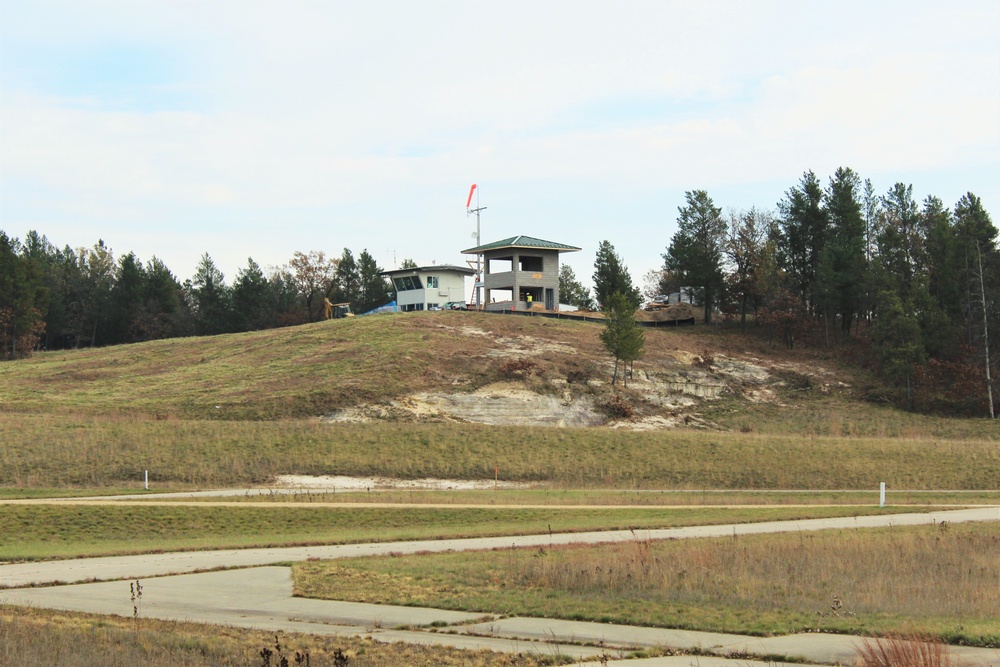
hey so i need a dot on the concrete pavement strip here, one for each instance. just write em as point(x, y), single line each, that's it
point(151, 565)
point(262, 598)
point(602, 634)
point(689, 661)
point(820, 648)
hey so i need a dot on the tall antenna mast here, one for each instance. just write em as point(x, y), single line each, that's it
point(477, 289)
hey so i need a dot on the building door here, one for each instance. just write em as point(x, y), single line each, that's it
point(550, 298)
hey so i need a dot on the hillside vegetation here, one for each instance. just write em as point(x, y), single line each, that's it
point(315, 369)
point(395, 395)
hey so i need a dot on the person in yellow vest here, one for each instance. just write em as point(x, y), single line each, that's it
point(529, 300)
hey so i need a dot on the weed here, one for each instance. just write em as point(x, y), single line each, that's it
point(301, 658)
point(136, 588)
point(904, 650)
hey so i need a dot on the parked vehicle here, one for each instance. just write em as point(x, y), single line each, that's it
point(456, 305)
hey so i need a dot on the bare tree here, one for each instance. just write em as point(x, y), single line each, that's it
point(315, 278)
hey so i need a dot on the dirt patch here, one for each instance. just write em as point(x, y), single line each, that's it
point(498, 404)
point(344, 483)
point(527, 346)
point(569, 379)
point(671, 389)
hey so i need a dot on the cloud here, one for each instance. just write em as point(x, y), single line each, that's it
point(262, 128)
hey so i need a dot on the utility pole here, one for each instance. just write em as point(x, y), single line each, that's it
point(986, 331)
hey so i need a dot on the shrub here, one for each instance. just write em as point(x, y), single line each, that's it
point(517, 368)
point(617, 407)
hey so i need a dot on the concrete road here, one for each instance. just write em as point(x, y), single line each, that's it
point(260, 597)
point(152, 565)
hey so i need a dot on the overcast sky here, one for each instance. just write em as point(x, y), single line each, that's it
point(252, 128)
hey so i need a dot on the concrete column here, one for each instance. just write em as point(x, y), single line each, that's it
point(516, 290)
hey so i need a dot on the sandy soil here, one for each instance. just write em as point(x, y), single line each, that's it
point(344, 483)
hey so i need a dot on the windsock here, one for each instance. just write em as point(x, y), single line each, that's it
point(469, 200)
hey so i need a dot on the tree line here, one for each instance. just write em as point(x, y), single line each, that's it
point(909, 289)
point(53, 298)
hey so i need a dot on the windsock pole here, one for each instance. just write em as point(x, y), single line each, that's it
point(477, 289)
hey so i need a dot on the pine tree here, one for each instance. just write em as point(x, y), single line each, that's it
point(803, 233)
point(21, 288)
point(210, 298)
point(695, 253)
point(348, 280)
point(897, 341)
point(622, 336)
point(374, 289)
point(125, 299)
point(610, 276)
point(846, 256)
point(251, 299)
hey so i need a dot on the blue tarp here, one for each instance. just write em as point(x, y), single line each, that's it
point(387, 308)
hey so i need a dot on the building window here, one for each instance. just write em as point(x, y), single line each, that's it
point(432, 282)
point(407, 283)
point(529, 263)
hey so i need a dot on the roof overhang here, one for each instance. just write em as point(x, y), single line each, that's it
point(520, 242)
point(442, 268)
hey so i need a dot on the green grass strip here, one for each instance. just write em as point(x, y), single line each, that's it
point(62, 531)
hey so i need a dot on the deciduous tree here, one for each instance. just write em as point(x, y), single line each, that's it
point(571, 291)
point(315, 278)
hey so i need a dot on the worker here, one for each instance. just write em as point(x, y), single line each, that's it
point(529, 299)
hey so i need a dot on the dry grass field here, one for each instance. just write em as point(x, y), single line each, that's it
point(238, 411)
point(942, 580)
point(86, 452)
point(42, 638)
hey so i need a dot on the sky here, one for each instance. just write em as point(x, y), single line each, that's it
point(251, 128)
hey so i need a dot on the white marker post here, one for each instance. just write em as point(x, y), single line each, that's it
point(145, 479)
point(881, 494)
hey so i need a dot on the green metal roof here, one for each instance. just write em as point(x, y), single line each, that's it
point(521, 241)
point(438, 268)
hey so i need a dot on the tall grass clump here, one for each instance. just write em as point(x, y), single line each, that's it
point(904, 650)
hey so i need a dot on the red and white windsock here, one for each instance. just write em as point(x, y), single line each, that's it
point(469, 200)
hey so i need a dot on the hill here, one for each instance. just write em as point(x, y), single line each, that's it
point(242, 409)
point(448, 366)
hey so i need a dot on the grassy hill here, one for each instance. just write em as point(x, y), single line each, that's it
point(237, 409)
point(689, 376)
point(291, 372)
